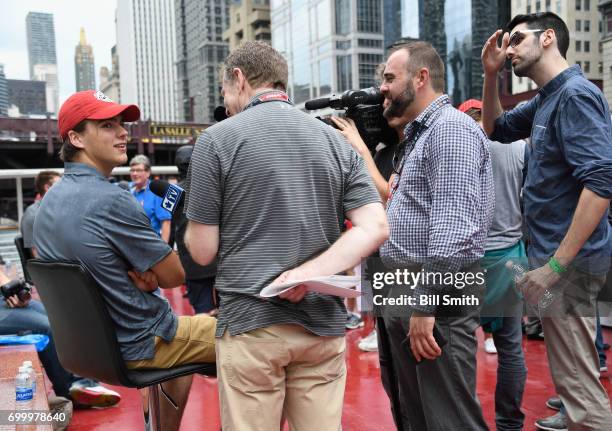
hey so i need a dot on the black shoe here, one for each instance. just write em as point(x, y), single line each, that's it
point(557, 422)
point(554, 403)
point(536, 336)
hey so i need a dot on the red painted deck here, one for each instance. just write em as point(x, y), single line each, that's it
point(366, 407)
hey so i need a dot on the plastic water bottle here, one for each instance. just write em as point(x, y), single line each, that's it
point(24, 394)
point(10, 269)
point(519, 272)
point(30, 370)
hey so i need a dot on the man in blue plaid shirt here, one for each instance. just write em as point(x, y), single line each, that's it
point(439, 210)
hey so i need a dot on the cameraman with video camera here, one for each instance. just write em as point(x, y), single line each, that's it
point(19, 314)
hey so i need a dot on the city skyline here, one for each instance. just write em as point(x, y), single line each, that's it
point(98, 19)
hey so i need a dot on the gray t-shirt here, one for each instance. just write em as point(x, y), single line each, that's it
point(508, 161)
point(278, 182)
point(86, 219)
point(27, 224)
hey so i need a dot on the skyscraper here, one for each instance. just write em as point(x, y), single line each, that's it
point(84, 70)
point(330, 45)
point(458, 30)
point(40, 33)
point(200, 50)
point(146, 46)
point(109, 79)
point(41, 39)
point(3, 93)
point(249, 21)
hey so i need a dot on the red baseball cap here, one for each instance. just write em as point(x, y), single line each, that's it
point(91, 105)
point(470, 104)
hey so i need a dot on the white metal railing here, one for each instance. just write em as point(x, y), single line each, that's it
point(19, 174)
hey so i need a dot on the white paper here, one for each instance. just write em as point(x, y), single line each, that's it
point(337, 285)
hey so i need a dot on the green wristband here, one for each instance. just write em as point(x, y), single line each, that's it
point(556, 266)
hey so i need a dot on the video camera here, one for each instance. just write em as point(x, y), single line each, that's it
point(21, 288)
point(365, 108)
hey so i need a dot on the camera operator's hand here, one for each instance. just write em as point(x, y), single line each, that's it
point(145, 281)
point(15, 302)
point(349, 131)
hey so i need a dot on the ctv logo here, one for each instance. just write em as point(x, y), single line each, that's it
point(172, 197)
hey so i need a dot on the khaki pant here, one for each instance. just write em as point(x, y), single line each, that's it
point(194, 343)
point(282, 371)
point(569, 334)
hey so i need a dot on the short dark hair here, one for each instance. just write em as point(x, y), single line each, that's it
point(544, 21)
point(44, 178)
point(68, 151)
point(423, 54)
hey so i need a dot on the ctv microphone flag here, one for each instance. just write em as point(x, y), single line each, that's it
point(171, 193)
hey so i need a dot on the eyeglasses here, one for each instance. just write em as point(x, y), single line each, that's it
point(518, 36)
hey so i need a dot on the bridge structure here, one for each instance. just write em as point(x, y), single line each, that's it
point(29, 143)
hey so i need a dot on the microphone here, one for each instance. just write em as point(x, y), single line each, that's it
point(321, 103)
point(171, 194)
point(220, 113)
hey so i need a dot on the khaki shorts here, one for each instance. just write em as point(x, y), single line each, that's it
point(194, 343)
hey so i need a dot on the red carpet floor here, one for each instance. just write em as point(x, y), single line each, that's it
point(366, 407)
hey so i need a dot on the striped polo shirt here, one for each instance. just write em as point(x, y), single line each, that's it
point(278, 182)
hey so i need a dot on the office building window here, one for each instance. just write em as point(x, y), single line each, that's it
point(578, 4)
point(587, 25)
point(345, 73)
point(587, 67)
point(578, 46)
point(538, 4)
point(367, 69)
point(578, 25)
point(558, 7)
point(587, 46)
point(343, 16)
point(369, 16)
point(587, 4)
point(370, 43)
point(547, 5)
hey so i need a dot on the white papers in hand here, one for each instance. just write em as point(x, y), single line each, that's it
point(338, 285)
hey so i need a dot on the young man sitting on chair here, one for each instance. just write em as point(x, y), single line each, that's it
point(86, 219)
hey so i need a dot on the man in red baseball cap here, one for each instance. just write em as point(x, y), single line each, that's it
point(86, 219)
point(86, 109)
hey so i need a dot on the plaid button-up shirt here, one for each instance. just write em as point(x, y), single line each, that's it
point(441, 206)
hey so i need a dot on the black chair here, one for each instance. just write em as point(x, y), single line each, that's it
point(85, 336)
point(25, 254)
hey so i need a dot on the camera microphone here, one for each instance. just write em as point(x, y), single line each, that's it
point(314, 104)
point(171, 194)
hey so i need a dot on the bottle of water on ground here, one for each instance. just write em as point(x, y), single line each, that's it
point(30, 370)
point(519, 272)
point(24, 393)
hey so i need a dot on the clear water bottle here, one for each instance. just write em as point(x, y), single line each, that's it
point(519, 272)
point(30, 370)
point(24, 393)
point(10, 270)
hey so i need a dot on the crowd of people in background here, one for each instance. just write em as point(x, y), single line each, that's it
point(522, 196)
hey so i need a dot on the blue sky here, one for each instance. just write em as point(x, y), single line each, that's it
point(96, 16)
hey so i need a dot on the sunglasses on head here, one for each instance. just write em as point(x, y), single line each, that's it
point(518, 36)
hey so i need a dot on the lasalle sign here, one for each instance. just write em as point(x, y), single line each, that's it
point(176, 130)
